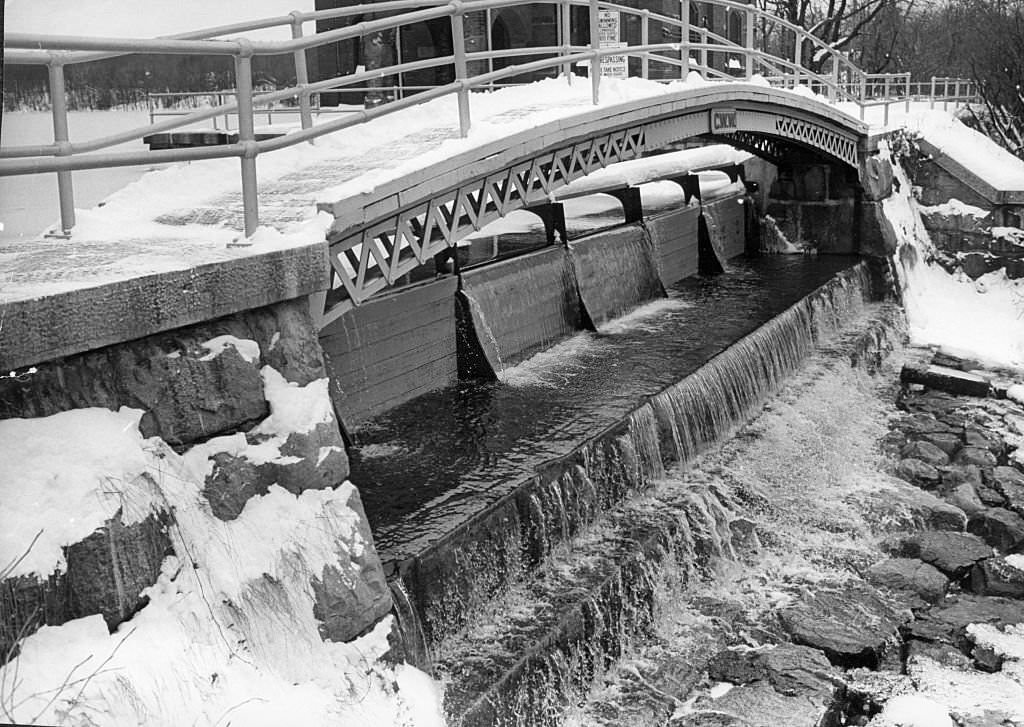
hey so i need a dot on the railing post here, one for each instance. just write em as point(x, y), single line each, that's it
point(931, 96)
point(459, 52)
point(945, 94)
point(750, 42)
point(301, 73)
point(247, 136)
point(833, 92)
point(704, 51)
point(595, 60)
point(645, 39)
point(906, 106)
point(59, 110)
point(798, 56)
point(684, 40)
point(565, 13)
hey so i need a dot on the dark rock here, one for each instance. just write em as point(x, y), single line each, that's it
point(917, 472)
point(288, 341)
point(977, 456)
point(946, 441)
point(922, 423)
point(1010, 484)
point(958, 474)
point(854, 627)
point(990, 496)
point(999, 528)
point(909, 576)
point(951, 553)
point(996, 577)
point(909, 508)
point(321, 460)
point(943, 653)
point(965, 497)
point(233, 481)
point(352, 594)
point(946, 379)
point(947, 621)
point(790, 668)
point(925, 452)
point(188, 399)
point(975, 436)
point(105, 574)
point(986, 658)
point(709, 719)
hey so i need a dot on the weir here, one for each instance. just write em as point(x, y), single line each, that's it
point(470, 487)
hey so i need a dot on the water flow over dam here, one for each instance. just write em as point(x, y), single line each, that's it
point(470, 487)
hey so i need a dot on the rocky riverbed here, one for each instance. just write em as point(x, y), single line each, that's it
point(872, 572)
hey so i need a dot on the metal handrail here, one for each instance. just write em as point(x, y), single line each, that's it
point(840, 78)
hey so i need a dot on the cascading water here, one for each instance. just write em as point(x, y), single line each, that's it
point(599, 590)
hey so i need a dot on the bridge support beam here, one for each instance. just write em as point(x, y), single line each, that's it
point(632, 206)
point(552, 215)
point(690, 184)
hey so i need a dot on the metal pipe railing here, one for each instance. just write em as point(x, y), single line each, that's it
point(840, 79)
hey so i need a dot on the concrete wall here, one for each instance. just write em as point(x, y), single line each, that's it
point(615, 271)
point(523, 305)
point(674, 237)
point(392, 349)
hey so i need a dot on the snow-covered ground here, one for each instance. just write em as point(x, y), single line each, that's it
point(229, 634)
point(979, 319)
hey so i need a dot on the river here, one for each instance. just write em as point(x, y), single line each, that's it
point(29, 203)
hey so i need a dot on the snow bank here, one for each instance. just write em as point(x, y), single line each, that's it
point(971, 149)
point(955, 208)
point(229, 633)
point(982, 319)
point(64, 476)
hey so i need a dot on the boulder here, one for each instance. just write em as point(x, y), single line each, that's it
point(977, 456)
point(908, 508)
point(925, 452)
point(922, 423)
point(952, 553)
point(791, 669)
point(854, 626)
point(1002, 529)
point(105, 574)
point(231, 483)
point(976, 436)
point(943, 378)
point(909, 576)
point(937, 651)
point(352, 594)
point(996, 577)
point(917, 472)
point(965, 497)
point(190, 397)
point(947, 621)
point(948, 442)
point(1010, 484)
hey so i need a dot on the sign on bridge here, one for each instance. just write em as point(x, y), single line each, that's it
point(723, 121)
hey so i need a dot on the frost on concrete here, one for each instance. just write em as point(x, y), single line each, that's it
point(229, 633)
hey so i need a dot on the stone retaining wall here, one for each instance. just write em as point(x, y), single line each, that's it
point(216, 393)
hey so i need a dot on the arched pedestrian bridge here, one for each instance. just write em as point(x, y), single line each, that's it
point(382, 235)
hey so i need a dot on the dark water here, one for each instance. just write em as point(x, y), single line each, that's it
point(446, 456)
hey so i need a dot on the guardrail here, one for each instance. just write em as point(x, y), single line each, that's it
point(770, 46)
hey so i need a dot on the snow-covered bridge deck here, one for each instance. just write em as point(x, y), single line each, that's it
point(165, 251)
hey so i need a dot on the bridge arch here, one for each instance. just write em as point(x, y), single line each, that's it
point(380, 236)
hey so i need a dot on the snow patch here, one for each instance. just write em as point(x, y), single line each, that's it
point(249, 350)
point(1017, 559)
point(955, 208)
point(913, 710)
point(293, 408)
point(64, 476)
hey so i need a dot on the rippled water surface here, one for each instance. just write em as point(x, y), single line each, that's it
point(443, 456)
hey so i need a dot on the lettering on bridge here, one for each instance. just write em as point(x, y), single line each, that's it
point(723, 121)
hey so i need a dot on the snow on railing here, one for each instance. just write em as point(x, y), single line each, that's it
point(769, 46)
